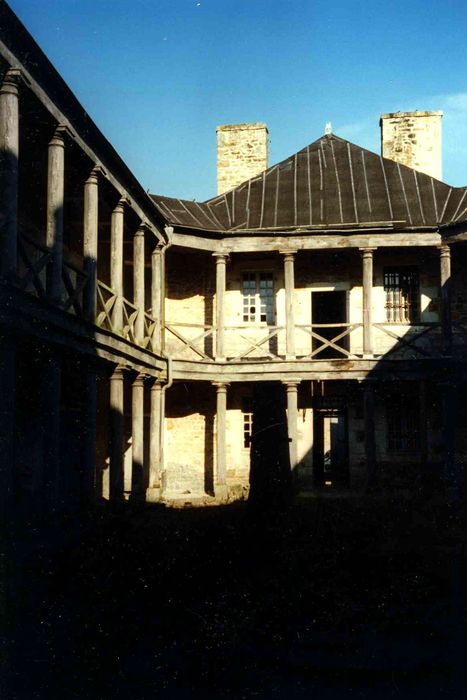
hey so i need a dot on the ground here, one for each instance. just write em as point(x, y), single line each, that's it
point(329, 598)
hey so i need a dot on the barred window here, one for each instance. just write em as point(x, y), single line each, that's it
point(402, 416)
point(247, 413)
point(258, 297)
point(401, 287)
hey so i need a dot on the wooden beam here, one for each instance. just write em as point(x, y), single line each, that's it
point(307, 241)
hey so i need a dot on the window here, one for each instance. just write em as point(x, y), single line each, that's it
point(258, 297)
point(247, 413)
point(402, 292)
point(402, 415)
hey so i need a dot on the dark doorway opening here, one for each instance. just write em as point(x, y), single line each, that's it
point(329, 308)
point(330, 448)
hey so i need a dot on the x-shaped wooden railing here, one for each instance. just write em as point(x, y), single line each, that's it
point(130, 313)
point(196, 344)
point(32, 274)
point(329, 343)
point(74, 281)
point(34, 258)
point(106, 299)
point(407, 337)
point(255, 343)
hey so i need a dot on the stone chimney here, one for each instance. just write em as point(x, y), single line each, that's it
point(242, 152)
point(413, 139)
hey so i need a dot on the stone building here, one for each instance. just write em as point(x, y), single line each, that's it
point(138, 331)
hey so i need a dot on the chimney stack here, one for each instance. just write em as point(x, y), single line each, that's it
point(242, 153)
point(413, 139)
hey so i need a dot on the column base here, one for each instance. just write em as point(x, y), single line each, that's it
point(153, 494)
point(221, 492)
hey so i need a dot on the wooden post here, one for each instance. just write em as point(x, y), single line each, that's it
point(155, 435)
point(138, 283)
point(370, 441)
point(89, 435)
point(221, 262)
point(445, 285)
point(289, 284)
point(9, 155)
point(221, 430)
point(137, 432)
point(90, 244)
point(292, 413)
point(116, 435)
point(55, 202)
point(367, 284)
point(157, 297)
point(116, 264)
point(51, 389)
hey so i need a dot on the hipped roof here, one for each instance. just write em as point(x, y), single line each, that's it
point(331, 183)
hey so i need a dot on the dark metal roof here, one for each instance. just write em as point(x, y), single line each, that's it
point(330, 184)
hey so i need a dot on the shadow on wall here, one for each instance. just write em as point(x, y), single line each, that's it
point(270, 473)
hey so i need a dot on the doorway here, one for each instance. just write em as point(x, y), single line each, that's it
point(329, 308)
point(331, 448)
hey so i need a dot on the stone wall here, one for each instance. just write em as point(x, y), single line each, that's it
point(242, 153)
point(413, 139)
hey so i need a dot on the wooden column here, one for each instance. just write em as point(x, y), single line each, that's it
point(89, 435)
point(155, 435)
point(55, 202)
point(445, 294)
point(292, 413)
point(221, 434)
point(9, 154)
point(157, 296)
point(137, 433)
point(90, 244)
point(370, 439)
point(138, 283)
point(116, 435)
point(367, 288)
point(51, 389)
point(289, 284)
point(221, 263)
point(116, 264)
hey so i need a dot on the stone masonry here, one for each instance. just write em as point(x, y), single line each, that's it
point(413, 139)
point(242, 153)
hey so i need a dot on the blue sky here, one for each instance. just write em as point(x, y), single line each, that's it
point(158, 76)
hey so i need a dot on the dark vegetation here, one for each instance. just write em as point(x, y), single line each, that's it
point(329, 598)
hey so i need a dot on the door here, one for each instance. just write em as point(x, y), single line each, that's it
point(329, 308)
point(330, 451)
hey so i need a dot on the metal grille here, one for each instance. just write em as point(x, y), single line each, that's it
point(258, 297)
point(401, 287)
point(402, 414)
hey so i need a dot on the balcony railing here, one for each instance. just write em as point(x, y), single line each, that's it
point(32, 274)
point(320, 342)
point(34, 259)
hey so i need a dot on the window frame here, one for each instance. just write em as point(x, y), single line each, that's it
point(258, 298)
point(403, 410)
point(247, 421)
point(408, 309)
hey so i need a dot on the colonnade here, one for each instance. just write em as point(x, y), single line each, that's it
point(51, 370)
point(367, 256)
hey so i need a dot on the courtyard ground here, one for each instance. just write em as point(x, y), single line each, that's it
point(330, 598)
